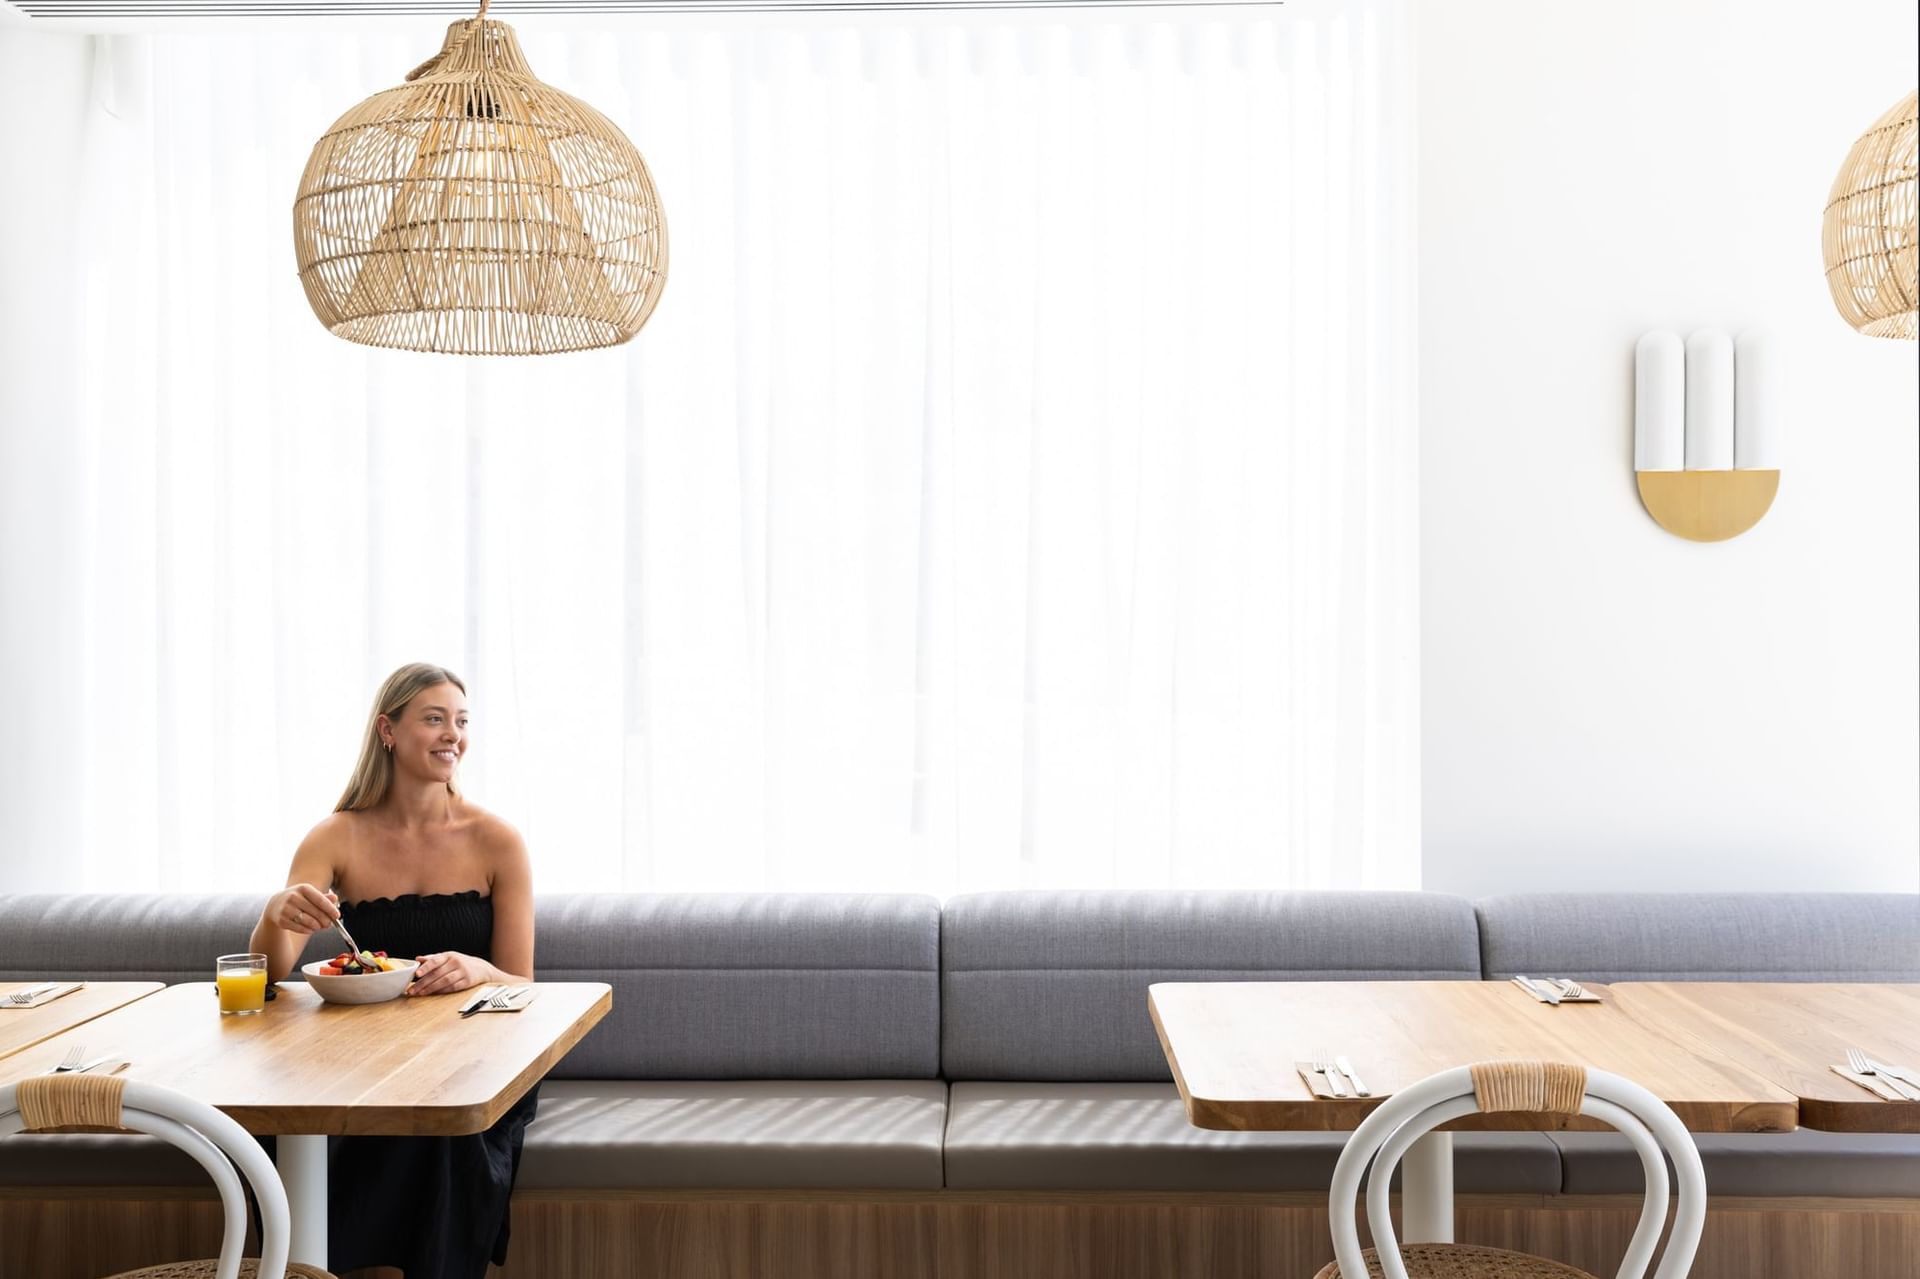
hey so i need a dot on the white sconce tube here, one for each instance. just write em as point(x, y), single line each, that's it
point(1709, 401)
point(1756, 404)
point(1659, 402)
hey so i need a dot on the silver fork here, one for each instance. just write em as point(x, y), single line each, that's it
point(26, 996)
point(75, 1055)
point(1570, 989)
point(1323, 1062)
point(1861, 1064)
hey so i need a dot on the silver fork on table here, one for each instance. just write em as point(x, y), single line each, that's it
point(1861, 1064)
point(26, 996)
point(1324, 1063)
point(75, 1056)
point(1569, 989)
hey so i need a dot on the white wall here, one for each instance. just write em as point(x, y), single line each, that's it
point(1606, 705)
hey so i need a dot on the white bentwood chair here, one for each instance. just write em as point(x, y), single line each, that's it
point(1550, 1087)
point(216, 1142)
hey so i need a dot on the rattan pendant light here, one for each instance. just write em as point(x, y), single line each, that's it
point(1869, 233)
point(475, 210)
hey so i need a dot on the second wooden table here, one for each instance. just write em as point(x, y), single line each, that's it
point(1232, 1046)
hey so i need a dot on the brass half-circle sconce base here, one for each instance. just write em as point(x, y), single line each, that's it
point(1707, 506)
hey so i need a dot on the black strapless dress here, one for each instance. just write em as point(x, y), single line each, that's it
point(436, 1207)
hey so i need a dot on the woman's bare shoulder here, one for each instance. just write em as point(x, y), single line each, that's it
point(335, 831)
point(502, 852)
point(492, 832)
point(326, 851)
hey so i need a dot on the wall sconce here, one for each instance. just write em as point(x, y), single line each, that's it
point(1706, 432)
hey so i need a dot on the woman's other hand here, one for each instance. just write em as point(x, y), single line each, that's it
point(303, 909)
point(446, 971)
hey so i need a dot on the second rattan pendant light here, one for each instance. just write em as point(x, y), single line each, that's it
point(477, 211)
point(1869, 235)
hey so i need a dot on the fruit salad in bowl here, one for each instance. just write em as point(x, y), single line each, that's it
point(369, 977)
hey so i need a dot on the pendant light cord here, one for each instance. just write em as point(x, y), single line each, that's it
point(467, 29)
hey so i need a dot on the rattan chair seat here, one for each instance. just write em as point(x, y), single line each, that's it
point(249, 1269)
point(1464, 1261)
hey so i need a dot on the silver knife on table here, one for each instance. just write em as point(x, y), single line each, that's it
point(1539, 990)
point(1346, 1068)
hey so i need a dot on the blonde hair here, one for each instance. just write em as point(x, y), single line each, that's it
point(373, 775)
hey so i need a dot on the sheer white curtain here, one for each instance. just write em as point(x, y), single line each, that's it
point(1015, 486)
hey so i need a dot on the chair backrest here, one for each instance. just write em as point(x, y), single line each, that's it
point(215, 1141)
point(1550, 1087)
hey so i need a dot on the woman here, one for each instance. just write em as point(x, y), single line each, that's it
point(416, 869)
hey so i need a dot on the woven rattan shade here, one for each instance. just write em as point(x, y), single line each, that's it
point(476, 210)
point(1869, 233)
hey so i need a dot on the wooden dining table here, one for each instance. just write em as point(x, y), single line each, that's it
point(304, 1070)
point(1232, 1048)
point(1793, 1034)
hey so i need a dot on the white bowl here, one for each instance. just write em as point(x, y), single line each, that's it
point(359, 988)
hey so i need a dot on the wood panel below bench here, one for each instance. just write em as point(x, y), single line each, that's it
point(85, 1233)
point(985, 1235)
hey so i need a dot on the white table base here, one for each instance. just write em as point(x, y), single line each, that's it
point(1426, 1190)
point(303, 1170)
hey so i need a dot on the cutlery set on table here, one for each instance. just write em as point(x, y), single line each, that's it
point(44, 993)
point(1889, 1083)
point(1556, 990)
point(498, 999)
point(1332, 1075)
point(76, 1063)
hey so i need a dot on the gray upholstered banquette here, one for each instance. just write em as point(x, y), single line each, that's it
point(870, 1041)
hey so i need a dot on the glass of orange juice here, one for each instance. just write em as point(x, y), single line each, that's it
point(242, 980)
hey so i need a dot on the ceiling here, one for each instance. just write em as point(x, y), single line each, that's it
point(122, 15)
